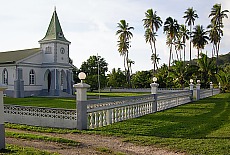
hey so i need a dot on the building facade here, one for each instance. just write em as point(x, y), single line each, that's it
point(44, 71)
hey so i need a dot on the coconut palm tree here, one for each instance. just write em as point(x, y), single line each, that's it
point(184, 33)
point(155, 59)
point(190, 17)
point(217, 20)
point(124, 35)
point(199, 38)
point(152, 22)
point(171, 28)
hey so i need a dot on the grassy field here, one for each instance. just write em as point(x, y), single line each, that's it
point(66, 103)
point(197, 128)
point(201, 127)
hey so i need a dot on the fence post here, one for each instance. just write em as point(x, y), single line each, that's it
point(154, 86)
point(211, 87)
point(198, 90)
point(81, 96)
point(191, 88)
point(2, 126)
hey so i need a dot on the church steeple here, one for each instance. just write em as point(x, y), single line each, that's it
point(54, 31)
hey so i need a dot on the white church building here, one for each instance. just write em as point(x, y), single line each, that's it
point(44, 71)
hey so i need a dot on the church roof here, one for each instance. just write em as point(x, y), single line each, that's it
point(14, 56)
point(54, 31)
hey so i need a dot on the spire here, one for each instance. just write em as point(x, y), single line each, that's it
point(54, 31)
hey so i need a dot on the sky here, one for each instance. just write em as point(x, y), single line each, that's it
point(91, 25)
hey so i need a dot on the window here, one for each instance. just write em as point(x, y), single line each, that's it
point(48, 50)
point(5, 77)
point(32, 77)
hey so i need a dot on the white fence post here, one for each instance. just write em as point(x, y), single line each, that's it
point(211, 87)
point(191, 88)
point(81, 96)
point(2, 126)
point(154, 86)
point(198, 90)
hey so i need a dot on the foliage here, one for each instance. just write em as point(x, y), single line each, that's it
point(190, 17)
point(152, 22)
point(223, 77)
point(124, 35)
point(142, 79)
point(199, 38)
point(197, 128)
point(117, 79)
point(207, 70)
point(90, 67)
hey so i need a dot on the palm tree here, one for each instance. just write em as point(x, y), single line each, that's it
point(171, 28)
point(217, 20)
point(190, 17)
point(199, 38)
point(124, 37)
point(130, 63)
point(152, 22)
point(184, 33)
point(155, 59)
point(207, 69)
point(214, 37)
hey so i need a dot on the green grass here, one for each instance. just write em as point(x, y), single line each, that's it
point(108, 151)
point(41, 138)
point(197, 128)
point(115, 94)
point(17, 150)
point(53, 102)
point(201, 127)
point(66, 103)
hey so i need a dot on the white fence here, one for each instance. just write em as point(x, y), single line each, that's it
point(96, 113)
point(60, 118)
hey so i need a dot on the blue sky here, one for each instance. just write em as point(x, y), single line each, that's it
point(91, 25)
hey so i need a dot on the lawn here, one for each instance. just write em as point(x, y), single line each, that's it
point(201, 127)
point(66, 103)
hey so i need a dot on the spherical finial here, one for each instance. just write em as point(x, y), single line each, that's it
point(82, 76)
point(154, 79)
point(191, 80)
point(198, 81)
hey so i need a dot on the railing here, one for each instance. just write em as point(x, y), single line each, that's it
point(97, 113)
point(47, 117)
point(104, 112)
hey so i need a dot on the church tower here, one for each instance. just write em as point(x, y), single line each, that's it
point(54, 45)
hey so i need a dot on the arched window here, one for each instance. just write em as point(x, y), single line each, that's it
point(32, 77)
point(62, 79)
point(5, 77)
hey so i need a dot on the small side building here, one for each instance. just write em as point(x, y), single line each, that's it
point(44, 71)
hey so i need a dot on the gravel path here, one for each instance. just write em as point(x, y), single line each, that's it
point(89, 145)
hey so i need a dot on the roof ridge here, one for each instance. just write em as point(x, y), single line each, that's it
point(21, 50)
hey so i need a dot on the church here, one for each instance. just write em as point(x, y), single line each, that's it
point(44, 71)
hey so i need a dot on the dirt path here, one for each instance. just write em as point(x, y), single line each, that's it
point(89, 145)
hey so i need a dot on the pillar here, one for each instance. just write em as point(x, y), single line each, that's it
point(81, 96)
point(198, 90)
point(2, 127)
point(154, 87)
point(211, 87)
point(191, 90)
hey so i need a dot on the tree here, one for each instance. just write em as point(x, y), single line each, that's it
point(125, 34)
point(217, 20)
point(207, 70)
point(190, 17)
point(199, 38)
point(141, 79)
point(171, 28)
point(182, 73)
point(152, 22)
point(90, 67)
point(117, 79)
point(155, 59)
point(184, 33)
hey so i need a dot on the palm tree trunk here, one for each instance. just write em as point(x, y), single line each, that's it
point(170, 53)
point(155, 61)
point(190, 44)
point(198, 52)
point(184, 54)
